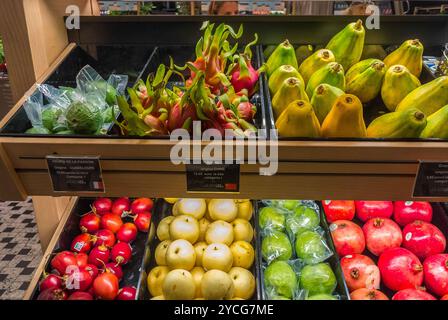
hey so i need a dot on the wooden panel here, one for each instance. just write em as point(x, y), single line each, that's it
point(11, 187)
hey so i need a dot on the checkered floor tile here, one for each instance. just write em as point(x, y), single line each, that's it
point(20, 250)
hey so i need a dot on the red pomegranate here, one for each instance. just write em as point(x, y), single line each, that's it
point(381, 234)
point(435, 269)
point(412, 294)
point(368, 294)
point(360, 272)
point(400, 269)
point(366, 210)
point(339, 209)
point(423, 239)
point(348, 237)
point(445, 297)
point(408, 211)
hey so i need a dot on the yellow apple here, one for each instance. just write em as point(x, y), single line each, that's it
point(197, 273)
point(243, 254)
point(163, 230)
point(192, 207)
point(203, 225)
point(199, 248)
point(245, 209)
point(161, 252)
point(217, 285)
point(223, 209)
point(158, 298)
point(219, 231)
point(179, 285)
point(242, 230)
point(155, 280)
point(180, 255)
point(217, 256)
point(171, 200)
point(184, 227)
point(243, 282)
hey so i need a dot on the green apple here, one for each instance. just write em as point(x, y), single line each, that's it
point(322, 296)
point(302, 218)
point(281, 277)
point(286, 204)
point(276, 246)
point(311, 248)
point(271, 218)
point(317, 279)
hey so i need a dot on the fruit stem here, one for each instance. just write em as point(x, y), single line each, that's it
point(292, 81)
point(336, 67)
point(358, 24)
point(325, 54)
point(398, 68)
point(419, 115)
point(300, 103)
point(348, 99)
point(320, 89)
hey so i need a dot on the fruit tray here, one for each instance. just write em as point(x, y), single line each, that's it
point(163, 209)
point(127, 60)
point(333, 260)
point(131, 271)
point(372, 109)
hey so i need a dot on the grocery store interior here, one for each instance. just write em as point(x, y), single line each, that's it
point(223, 150)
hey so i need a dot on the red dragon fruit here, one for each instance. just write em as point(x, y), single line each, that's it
point(244, 76)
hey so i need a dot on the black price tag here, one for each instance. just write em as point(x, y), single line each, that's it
point(431, 180)
point(75, 174)
point(213, 177)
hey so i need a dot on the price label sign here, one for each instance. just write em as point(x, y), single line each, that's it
point(431, 179)
point(213, 178)
point(75, 174)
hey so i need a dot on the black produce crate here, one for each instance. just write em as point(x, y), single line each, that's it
point(106, 60)
point(131, 271)
point(333, 260)
point(183, 54)
point(162, 210)
point(372, 110)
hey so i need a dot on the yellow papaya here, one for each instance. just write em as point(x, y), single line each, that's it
point(345, 119)
point(298, 120)
point(281, 74)
point(428, 98)
point(323, 99)
point(367, 84)
point(436, 125)
point(348, 44)
point(283, 54)
point(375, 51)
point(399, 124)
point(290, 90)
point(303, 52)
point(409, 54)
point(332, 74)
point(314, 62)
point(358, 68)
point(398, 82)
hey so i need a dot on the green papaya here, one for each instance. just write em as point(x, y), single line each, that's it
point(398, 82)
point(314, 62)
point(358, 68)
point(280, 75)
point(298, 120)
point(428, 98)
point(367, 84)
point(436, 126)
point(409, 54)
point(290, 90)
point(323, 99)
point(332, 74)
point(408, 123)
point(283, 54)
point(268, 50)
point(375, 51)
point(303, 52)
point(348, 44)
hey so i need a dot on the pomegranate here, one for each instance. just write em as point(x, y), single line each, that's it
point(143, 221)
point(121, 253)
point(82, 259)
point(445, 297)
point(121, 206)
point(400, 269)
point(105, 286)
point(62, 261)
point(360, 272)
point(115, 269)
point(381, 234)
point(408, 211)
point(90, 223)
point(435, 269)
point(80, 279)
point(79, 295)
point(53, 294)
point(111, 222)
point(92, 269)
point(99, 256)
point(141, 205)
point(412, 294)
point(102, 206)
point(423, 239)
point(105, 237)
point(81, 243)
point(366, 210)
point(339, 209)
point(367, 294)
point(127, 232)
point(50, 281)
point(127, 293)
point(348, 237)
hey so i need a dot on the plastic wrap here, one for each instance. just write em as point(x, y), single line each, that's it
point(311, 247)
point(281, 281)
point(303, 217)
point(276, 246)
point(272, 219)
point(317, 279)
point(33, 107)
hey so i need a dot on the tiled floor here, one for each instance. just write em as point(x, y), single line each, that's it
point(20, 250)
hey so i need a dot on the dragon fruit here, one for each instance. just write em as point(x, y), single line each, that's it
point(243, 74)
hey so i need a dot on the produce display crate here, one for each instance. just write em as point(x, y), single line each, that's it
point(164, 209)
point(333, 261)
point(62, 239)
